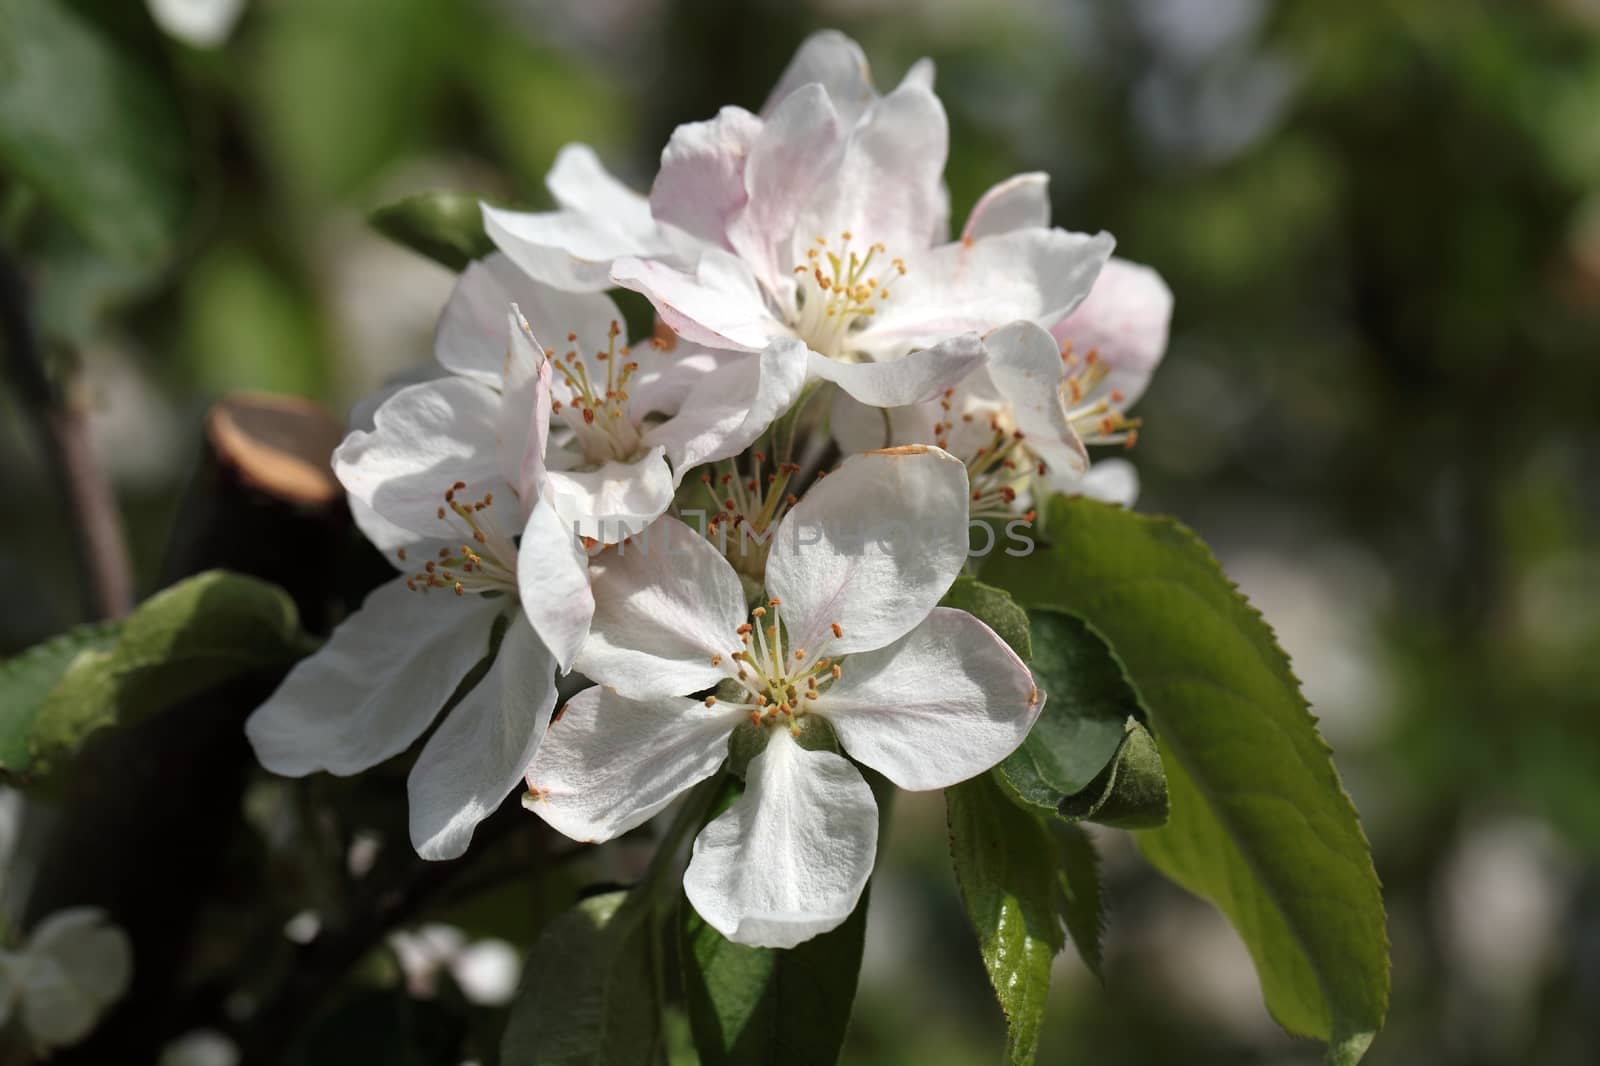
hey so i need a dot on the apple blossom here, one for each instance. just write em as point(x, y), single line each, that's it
point(1027, 417)
point(847, 644)
point(73, 967)
point(443, 483)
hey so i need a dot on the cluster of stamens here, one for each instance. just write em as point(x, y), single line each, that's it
point(999, 467)
point(775, 684)
point(596, 408)
point(1095, 419)
point(747, 504)
point(486, 559)
point(839, 291)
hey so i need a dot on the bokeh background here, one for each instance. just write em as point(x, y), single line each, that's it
point(1381, 405)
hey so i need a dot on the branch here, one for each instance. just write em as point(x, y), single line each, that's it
point(64, 438)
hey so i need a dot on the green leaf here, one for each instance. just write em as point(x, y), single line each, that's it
point(1081, 899)
point(588, 995)
point(996, 609)
point(1260, 824)
point(26, 679)
point(1087, 704)
point(764, 1007)
point(447, 227)
point(1006, 864)
point(197, 634)
point(1130, 793)
point(93, 132)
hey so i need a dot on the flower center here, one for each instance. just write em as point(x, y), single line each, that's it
point(596, 404)
point(839, 291)
point(774, 684)
point(1000, 465)
point(747, 505)
point(1095, 419)
point(485, 561)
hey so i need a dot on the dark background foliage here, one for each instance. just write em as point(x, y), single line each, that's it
point(1381, 220)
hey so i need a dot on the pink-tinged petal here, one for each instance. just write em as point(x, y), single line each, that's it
point(553, 583)
point(664, 381)
point(614, 501)
point(1124, 318)
point(524, 424)
point(567, 249)
point(916, 377)
point(481, 751)
point(428, 437)
point(667, 611)
point(730, 408)
point(791, 163)
point(790, 858)
point(700, 186)
point(609, 763)
point(1035, 274)
point(943, 703)
point(1026, 368)
point(719, 305)
point(1021, 202)
point(887, 186)
point(832, 60)
point(875, 571)
point(375, 685)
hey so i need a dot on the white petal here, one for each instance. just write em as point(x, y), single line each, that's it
point(1020, 202)
point(1026, 368)
point(887, 187)
point(1112, 480)
point(553, 583)
point(792, 162)
point(1035, 274)
point(601, 220)
point(920, 74)
point(482, 749)
point(609, 763)
point(615, 501)
point(874, 570)
point(428, 437)
point(472, 338)
point(835, 62)
point(700, 186)
point(733, 406)
point(915, 377)
point(666, 605)
point(941, 704)
point(374, 687)
point(661, 385)
point(718, 306)
point(78, 965)
point(523, 427)
point(790, 858)
point(858, 427)
point(579, 181)
point(1125, 318)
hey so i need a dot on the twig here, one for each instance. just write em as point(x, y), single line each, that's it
point(64, 436)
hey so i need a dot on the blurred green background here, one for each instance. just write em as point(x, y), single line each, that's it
point(1381, 403)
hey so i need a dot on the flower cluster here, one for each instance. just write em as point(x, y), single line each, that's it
point(739, 529)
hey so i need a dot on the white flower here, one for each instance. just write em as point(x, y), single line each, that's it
point(72, 968)
point(850, 645)
point(836, 242)
point(1027, 417)
point(444, 482)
